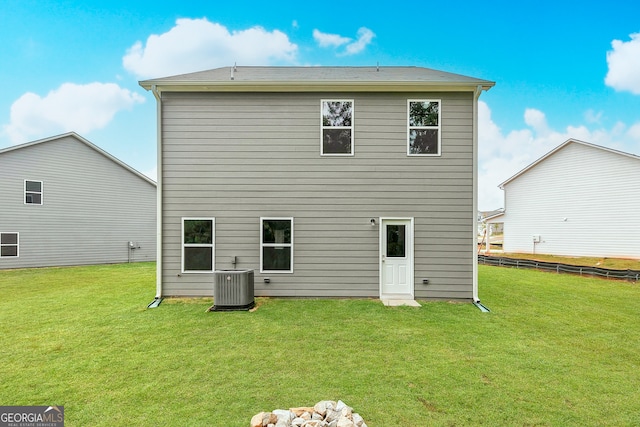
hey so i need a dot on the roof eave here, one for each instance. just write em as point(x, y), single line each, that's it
point(307, 86)
point(494, 216)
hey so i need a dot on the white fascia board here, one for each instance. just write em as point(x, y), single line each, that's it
point(306, 86)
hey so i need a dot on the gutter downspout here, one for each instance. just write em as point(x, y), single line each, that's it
point(158, 97)
point(476, 300)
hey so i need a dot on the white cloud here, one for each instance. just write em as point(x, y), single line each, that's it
point(329, 40)
point(365, 36)
point(592, 116)
point(198, 44)
point(537, 120)
point(71, 107)
point(634, 133)
point(352, 47)
point(624, 63)
point(501, 156)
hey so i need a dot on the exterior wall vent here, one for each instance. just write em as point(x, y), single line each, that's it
point(233, 290)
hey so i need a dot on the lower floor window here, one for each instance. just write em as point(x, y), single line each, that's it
point(276, 245)
point(197, 244)
point(9, 243)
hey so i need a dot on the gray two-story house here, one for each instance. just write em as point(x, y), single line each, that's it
point(65, 201)
point(326, 181)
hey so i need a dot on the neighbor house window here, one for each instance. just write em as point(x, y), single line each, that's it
point(276, 245)
point(198, 237)
point(424, 127)
point(337, 128)
point(32, 192)
point(9, 243)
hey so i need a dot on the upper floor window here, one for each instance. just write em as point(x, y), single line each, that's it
point(9, 243)
point(32, 192)
point(198, 244)
point(276, 241)
point(337, 128)
point(424, 133)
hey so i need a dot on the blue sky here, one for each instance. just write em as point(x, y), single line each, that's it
point(562, 69)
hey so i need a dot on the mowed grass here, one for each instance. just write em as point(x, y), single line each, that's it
point(556, 350)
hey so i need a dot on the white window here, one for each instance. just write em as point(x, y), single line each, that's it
point(337, 128)
point(198, 237)
point(32, 192)
point(424, 133)
point(9, 245)
point(276, 245)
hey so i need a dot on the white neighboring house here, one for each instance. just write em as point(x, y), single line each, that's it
point(579, 199)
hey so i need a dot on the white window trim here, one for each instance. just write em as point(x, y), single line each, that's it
point(439, 127)
point(262, 244)
point(322, 128)
point(212, 245)
point(41, 192)
point(17, 244)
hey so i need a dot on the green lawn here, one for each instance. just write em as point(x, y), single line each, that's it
point(556, 350)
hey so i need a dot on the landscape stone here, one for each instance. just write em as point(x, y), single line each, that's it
point(326, 413)
point(301, 410)
point(263, 419)
point(358, 420)
point(332, 415)
point(256, 421)
point(345, 422)
point(284, 417)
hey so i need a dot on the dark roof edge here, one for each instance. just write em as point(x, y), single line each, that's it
point(213, 80)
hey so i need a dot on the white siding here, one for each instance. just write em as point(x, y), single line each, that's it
point(92, 207)
point(581, 200)
point(239, 157)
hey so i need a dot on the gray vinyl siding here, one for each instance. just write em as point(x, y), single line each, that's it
point(92, 207)
point(241, 156)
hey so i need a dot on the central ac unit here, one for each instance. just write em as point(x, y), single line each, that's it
point(233, 290)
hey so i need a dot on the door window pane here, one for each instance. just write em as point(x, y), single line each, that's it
point(396, 246)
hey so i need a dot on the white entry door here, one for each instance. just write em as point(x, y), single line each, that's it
point(396, 258)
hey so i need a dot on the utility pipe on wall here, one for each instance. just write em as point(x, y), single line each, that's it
point(158, 97)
